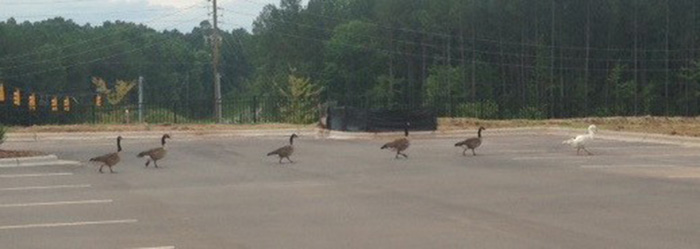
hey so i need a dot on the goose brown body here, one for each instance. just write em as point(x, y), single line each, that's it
point(400, 144)
point(471, 143)
point(155, 154)
point(110, 159)
point(285, 151)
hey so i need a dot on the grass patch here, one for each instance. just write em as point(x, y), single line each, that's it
point(681, 126)
point(149, 127)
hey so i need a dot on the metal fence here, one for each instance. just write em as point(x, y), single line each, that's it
point(248, 110)
point(252, 110)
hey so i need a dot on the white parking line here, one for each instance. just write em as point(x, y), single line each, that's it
point(34, 175)
point(46, 187)
point(582, 157)
point(617, 166)
point(684, 177)
point(662, 155)
point(41, 164)
point(57, 203)
point(69, 224)
point(158, 247)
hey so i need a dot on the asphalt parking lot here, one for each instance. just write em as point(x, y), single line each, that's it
point(520, 191)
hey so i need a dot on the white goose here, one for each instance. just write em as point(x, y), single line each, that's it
point(580, 141)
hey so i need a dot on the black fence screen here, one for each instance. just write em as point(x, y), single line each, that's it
point(377, 120)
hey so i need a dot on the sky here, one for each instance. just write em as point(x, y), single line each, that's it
point(182, 15)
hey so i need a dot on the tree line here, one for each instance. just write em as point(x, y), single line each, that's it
point(486, 58)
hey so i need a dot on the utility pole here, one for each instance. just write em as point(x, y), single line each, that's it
point(215, 64)
point(140, 99)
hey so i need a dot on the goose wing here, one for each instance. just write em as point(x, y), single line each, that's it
point(399, 144)
point(578, 140)
point(283, 151)
point(469, 142)
point(150, 152)
point(103, 158)
point(155, 153)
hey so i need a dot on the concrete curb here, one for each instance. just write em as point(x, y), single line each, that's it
point(630, 136)
point(602, 134)
point(34, 161)
point(326, 134)
point(431, 134)
point(45, 136)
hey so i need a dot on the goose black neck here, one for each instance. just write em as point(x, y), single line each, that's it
point(162, 141)
point(405, 131)
point(119, 145)
point(291, 140)
point(479, 133)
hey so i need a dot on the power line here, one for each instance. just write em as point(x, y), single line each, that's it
point(423, 32)
point(93, 60)
point(438, 57)
point(88, 13)
point(35, 51)
point(529, 54)
point(49, 2)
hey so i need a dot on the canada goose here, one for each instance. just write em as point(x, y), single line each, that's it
point(155, 154)
point(471, 143)
point(400, 144)
point(110, 159)
point(580, 141)
point(285, 151)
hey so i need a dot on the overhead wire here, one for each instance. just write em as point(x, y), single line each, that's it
point(423, 32)
point(96, 59)
point(36, 51)
point(517, 55)
point(472, 50)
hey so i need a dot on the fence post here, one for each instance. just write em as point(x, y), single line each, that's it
point(140, 99)
point(175, 113)
point(94, 117)
point(255, 109)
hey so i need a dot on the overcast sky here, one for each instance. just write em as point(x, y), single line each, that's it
point(158, 14)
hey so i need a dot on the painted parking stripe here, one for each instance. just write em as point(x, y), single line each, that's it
point(69, 224)
point(34, 175)
point(617, 166)
point(684, 176)
point(582, 157)
point(157, 247)
point(41, 164)
point(46, 187)
point(56, 203)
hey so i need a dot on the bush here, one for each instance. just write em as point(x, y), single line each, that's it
point(531, 112)
point(486, 110)
point(3, 130)
point(150, 115)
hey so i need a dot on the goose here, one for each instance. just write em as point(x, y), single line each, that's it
point(155, 154)
point(285, 151)
point(471, 143)
point(400, 144)
point(110, 159)
point(580, 141)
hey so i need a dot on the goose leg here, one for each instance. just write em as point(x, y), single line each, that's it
point(464, 152)
point(281, 160)
point(578, 150)
point(290, 160)
point(473, 152)
point(397, 155)
point(110, 169)
point(404, 155)
point(155, 163)
point(589, 153)
point(148, 162)
point(101, 168)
